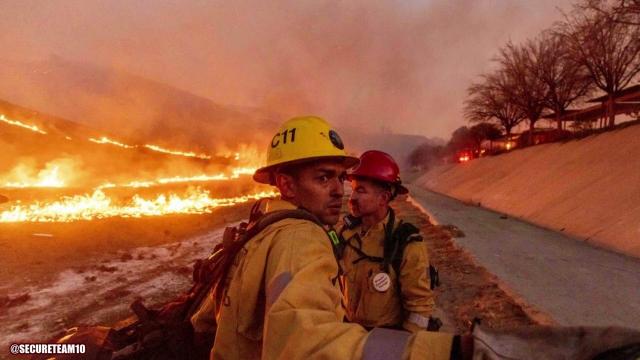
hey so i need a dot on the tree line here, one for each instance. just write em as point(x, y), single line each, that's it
point(595, 48)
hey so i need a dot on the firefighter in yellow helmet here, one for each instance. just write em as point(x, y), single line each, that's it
point(385, 261)
point(283, 300)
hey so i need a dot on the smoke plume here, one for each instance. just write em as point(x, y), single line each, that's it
point(369, 65)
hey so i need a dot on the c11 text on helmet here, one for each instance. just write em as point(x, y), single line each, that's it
point(284, 137)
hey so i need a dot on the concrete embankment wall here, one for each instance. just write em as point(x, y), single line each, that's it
point(588, 188)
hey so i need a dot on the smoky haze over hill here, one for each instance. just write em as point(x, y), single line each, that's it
point(365, 64)
point(127, 105)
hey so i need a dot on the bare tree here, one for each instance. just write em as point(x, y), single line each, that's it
point(607, 48)
point(462, 139)
point(427, 155)
point(485, 131)
point(622, 11)
point(525, 89)
point(566, 81)
point(488, 101)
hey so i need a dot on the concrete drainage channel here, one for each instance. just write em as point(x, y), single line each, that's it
point(567, 279)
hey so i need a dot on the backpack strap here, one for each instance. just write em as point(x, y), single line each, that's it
point(391, 246)
point(404, 234)
point(350, 222)
point(273, 217)
point(395, 242)
point(302, 214)
point(260, 222)
point(257, 210)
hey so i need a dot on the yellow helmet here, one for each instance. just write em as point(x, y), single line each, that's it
point(302, 139)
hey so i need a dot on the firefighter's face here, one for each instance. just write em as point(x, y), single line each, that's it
point(317, 187)
point(367, 197)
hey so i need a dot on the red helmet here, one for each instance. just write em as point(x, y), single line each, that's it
point(379, 166)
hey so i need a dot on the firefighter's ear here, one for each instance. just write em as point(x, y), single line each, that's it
point(385, 196)
point(286, 184)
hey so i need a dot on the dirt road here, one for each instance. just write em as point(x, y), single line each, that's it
point(571, 281)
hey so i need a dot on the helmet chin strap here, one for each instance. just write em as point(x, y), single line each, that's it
point(394, 192)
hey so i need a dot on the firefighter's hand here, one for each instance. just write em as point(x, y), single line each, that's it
point(549, 342)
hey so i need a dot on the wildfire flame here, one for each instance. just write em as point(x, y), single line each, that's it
point(139, 184)
point(243, 171)
point(46, 178)
point(235, 173)
point(176, 152)
point(228, 155)
point(33, 128)
point(98, 206)
point(180, 179)
point(51, 177)
point(106, 140)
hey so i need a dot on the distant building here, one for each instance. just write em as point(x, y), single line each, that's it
point(505, 143)
point(625, 102)
point(541, 136)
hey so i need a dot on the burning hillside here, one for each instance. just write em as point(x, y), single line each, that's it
point(98, 205)
point(61, 172)
point(136, 108)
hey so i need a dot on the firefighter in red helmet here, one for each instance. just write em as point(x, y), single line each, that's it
point(385, 262)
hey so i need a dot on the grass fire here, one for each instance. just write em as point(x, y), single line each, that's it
point(84, 193)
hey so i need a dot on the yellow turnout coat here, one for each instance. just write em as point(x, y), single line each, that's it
point(284, 302)
point(407, 303)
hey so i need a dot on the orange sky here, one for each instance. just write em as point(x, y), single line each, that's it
point(358, 63)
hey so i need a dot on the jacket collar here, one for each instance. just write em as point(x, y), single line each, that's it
point(376, 228)
point(278, 204)
point(379, 227)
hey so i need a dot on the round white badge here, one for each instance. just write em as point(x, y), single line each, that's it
point(381, 282)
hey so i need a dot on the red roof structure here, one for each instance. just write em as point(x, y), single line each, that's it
point(626, 101)
point(632, 93)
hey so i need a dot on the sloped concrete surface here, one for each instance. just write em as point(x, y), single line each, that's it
point(571, 281)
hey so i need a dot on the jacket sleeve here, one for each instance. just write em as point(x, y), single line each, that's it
point(303, 311)
point(417, 297)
